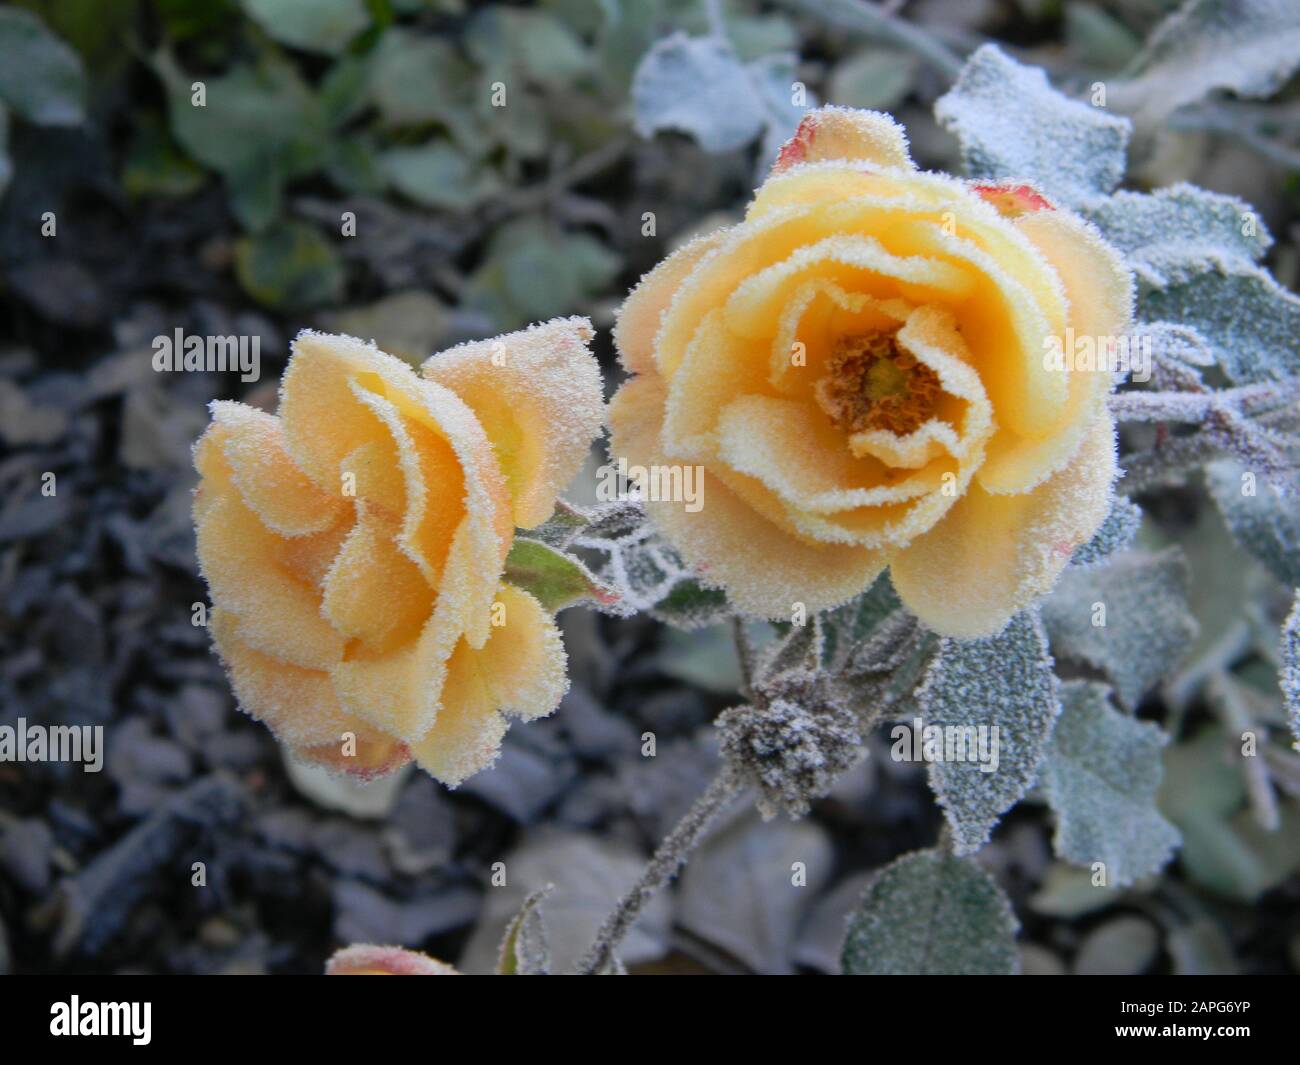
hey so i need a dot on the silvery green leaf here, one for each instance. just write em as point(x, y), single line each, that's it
point(1248, 46)
point(1194, 254)
point(1289, 675)
point(1267, 523)
point(1129, 619)
point(1000, 693)
point(1179, 222)
point(930, 913)
point(41, 77)
point(1100, 776)
point(698, 86)
point(1013, 126)
point(1250, 322)
point(1116, 533)
point(524, 950)
point(437, 175)
point(321, 26)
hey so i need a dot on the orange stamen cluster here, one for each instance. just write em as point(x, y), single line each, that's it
point(873, 383)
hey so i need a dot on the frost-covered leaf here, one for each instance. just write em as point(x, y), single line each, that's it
point(1013, 126)
point(1249, 320)
point(1179, 222)
point(320, 26)
point(41, 77)
point(1116, 533)
point(1289, 675)
point(996, 699)
point(643, 569)
point(1248, 46)
point(524, 950)
point(1267, 523)
point(1100, 776)
point(698, 86)
point(554, 579)
point(846, 626)
point(1129, 619)
point(930, 913)
point(739, 893)
point(1194, 254)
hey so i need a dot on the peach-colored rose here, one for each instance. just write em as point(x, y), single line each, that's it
point(859, 368)
point(354, 544)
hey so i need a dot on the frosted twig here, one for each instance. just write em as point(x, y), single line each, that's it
point(1223, 696)
point(667, 861)
point(745, 653)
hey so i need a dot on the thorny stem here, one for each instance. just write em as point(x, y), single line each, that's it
point(668, 860)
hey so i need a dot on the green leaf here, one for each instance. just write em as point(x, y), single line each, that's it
point(289, 265)
point(324, 26)
point(1098, 39)
point(930, 913)
point(534, 271)
point(524, 950)
point(416, 79)
point(535, 43)
point(41, 78)
point(1289, 674)
point(1071, 151)
point(260, 126)
point(1224, 849)
point(1100, 776)
point(875, 78)
point(155, 167)
point(847, 626)
point(697, 86)
point(691, 605)
point(1248, 46)
point(437, 175)
point(1129, 619)
point(1267, 523)
point(1117, 532)
point(998, 696)
point(554, 579)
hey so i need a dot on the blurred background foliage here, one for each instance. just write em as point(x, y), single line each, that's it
point(470, 219)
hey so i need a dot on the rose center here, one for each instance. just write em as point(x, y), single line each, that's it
point(873, 383)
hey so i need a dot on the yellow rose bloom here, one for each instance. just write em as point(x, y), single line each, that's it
point(354, 544)
point(859, 369)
